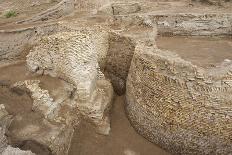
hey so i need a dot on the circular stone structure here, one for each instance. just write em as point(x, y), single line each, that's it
point(183, 108)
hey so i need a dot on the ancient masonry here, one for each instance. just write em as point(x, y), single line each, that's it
point(171, 102)
point(184, 109)
point(85, 94)
point(73, 57)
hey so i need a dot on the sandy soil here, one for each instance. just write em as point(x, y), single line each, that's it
point(23, 8)
point(204, 52)
point(123, 140)
point(19, 103)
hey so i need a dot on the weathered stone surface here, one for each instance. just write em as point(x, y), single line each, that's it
point(118, 59)
point(23, 41)
point(74, 56)
point(191, 24)
point(194, 24)
point(56, 128)
point(214, 2)
point(90, 5)
point(5, 149)
point(42, 101)
point(182, 108)
point(15, 151)
point(125, 8)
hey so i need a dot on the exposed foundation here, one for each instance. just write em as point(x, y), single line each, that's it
point(62, 69)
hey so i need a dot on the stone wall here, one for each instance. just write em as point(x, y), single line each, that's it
point(192, 24)
point(179, 106)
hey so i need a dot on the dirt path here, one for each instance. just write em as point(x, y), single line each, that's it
point(123, 140)
point(204, 52)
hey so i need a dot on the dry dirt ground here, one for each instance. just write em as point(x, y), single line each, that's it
point(23, 9)
point(123, 139)
point(201, 51)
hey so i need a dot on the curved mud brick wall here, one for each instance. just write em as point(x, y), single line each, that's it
point(180, 107)
point(67, 55)
point(63, 8)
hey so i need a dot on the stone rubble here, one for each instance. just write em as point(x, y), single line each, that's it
point(5, 149)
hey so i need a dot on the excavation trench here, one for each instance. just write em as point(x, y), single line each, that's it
point(201, 51)
point(123, 139)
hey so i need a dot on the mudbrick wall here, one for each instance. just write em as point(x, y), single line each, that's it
point(180, 107)
point(73, 57)
point(83, 91)
point(118, 59)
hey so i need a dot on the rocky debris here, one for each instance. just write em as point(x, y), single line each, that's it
point(5, 118)
point(172, 103)
point(55, 137)
point(5, 149)
point(42, 101)
point(15, 151)
point(55, 129)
